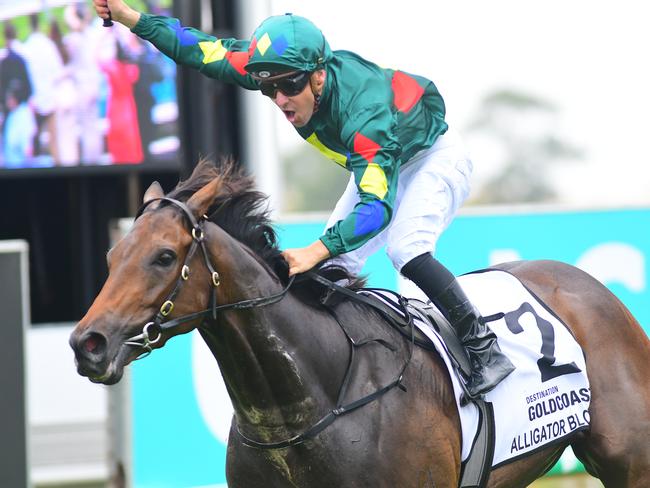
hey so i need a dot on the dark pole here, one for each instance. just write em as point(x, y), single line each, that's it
point(14, 301)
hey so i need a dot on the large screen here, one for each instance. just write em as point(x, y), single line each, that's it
point(75, 93)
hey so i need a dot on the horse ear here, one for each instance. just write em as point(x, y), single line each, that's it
point(154, 191)
point(202, 199)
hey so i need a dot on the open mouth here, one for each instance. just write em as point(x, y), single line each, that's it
point(290, 115)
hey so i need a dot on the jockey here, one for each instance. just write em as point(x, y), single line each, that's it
point(410, 173)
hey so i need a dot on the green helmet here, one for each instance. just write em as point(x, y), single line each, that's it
point(286, 43)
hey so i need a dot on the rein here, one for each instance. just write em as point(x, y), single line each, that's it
point(158, 325)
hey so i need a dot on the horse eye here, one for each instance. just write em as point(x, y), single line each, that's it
point(166, 258)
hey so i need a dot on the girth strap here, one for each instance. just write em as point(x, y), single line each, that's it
point(476, 470)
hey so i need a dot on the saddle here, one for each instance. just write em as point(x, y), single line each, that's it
point(544, 401)
point(400, 313)
point(476, 468)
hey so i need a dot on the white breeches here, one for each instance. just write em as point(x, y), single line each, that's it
point(431, 188)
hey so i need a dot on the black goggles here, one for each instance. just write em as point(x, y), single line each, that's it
point(290, 86)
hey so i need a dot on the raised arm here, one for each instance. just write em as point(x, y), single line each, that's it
point(222, 59)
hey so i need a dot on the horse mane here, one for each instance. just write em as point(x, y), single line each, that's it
point(243, 212)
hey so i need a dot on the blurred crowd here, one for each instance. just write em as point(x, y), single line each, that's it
point(68, 92)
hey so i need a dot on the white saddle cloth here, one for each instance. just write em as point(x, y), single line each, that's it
point(547, 397)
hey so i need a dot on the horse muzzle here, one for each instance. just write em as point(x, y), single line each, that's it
point(92, 357)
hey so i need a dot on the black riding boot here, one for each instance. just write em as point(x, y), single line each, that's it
point(489, 365)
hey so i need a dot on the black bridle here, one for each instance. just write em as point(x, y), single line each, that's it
point(158, 325)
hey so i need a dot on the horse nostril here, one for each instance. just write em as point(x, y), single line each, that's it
point(94, 344)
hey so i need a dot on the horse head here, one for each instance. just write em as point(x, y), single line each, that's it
point(154, 275)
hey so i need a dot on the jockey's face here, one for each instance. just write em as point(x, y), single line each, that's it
point(298, 109)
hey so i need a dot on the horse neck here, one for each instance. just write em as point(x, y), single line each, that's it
point(270, 357)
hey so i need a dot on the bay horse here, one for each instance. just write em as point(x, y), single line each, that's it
point(289, 362)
